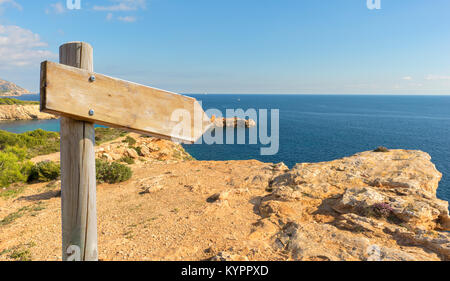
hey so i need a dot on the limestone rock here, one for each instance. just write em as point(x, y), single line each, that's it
point(222, 196)
point(338, 210)
point(369, 206)
point(398, 171)
point(418, 212)
point(145, 151)
point(132, 153)
point(281, 209)
point(225, 256)
point(280, 167)
point(149, 148)
point(234, 122)
point(359, 198)
point(23, 112)
point(107, 157)
point(153, 147)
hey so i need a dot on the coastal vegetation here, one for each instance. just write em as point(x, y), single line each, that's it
point(381, 149)
point(131, 141)
point(13, 166)
point(11, 101)
point(16, 151)
point(103, 135)
point(32, 144)
point(127, 159)
point(44, 171)
point(111, 172)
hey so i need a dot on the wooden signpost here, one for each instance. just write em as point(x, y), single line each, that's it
point(81, 97)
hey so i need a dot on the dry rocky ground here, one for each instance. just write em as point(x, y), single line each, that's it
point(373, 205)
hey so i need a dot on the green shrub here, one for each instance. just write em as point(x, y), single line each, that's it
point(21, 255)
point(26, 169)
point(127, 159)
point(130, 141)
point(111, 172)
point(138, 150)
point(44, 171)
point(16, 149)
point(107, 134)
point(20, 152)
point(38, 142)
point(10, 169)
point(381, 149)
point(10, 101)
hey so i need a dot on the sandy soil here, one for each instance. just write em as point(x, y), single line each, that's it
point(172, 220)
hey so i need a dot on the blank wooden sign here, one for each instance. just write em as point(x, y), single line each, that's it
point(83, 95)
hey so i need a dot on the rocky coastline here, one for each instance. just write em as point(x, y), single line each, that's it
point(369, 206)
point(23, 112)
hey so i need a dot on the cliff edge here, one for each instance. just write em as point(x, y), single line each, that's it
point(22, 112)
point(369, 206)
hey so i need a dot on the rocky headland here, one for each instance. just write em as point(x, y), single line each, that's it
point(369, 206)
point(23, 112)
point(11, 89)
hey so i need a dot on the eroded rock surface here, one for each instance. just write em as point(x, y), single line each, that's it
point(144, 149)
point(379, 200)
point(234, 122)
point(23, 112)
point(11, 89)
point(369, 206)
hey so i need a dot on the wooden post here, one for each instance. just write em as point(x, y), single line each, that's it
point(78, 183)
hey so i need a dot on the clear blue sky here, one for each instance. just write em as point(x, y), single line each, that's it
point(240, 46)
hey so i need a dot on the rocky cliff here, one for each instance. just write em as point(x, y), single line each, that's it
point(11, 89)
point(22, 112)
point(369, 206)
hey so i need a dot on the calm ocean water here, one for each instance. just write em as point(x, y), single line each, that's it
point(317, 128)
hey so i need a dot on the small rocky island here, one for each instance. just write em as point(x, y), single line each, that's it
point(233, 122)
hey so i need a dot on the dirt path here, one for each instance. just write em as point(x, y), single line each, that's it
point(162, 213)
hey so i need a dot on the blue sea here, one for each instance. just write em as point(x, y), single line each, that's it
point(316, 128)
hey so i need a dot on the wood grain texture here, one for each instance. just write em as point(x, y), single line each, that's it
point(68, 91)
point(78, 182)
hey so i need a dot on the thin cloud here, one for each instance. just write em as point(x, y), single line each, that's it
point(122, 6)
point(408, 78)
point(11, 3)
point(432, 77)
point(57, 8)
point(127, 19)
point(21, 47)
